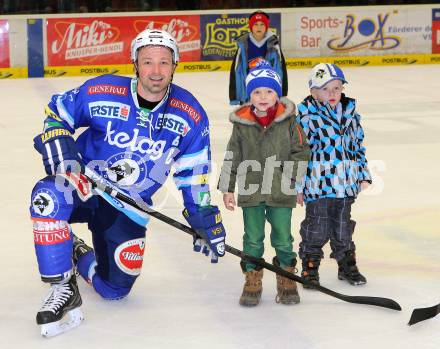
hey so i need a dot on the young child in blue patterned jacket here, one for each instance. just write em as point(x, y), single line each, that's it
point(336, 173)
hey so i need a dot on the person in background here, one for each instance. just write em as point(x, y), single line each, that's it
point(259, 44)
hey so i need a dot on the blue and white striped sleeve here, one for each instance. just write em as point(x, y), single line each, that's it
point(192, 168)
point(66, 110)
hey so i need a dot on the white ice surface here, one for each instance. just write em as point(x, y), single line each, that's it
point(182, 301)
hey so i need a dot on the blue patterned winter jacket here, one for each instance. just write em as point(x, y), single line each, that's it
point(338, 163)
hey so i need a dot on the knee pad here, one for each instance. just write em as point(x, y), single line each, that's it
point(119, 249)
point(128, 258)
point(51, 200)
point(107, 290)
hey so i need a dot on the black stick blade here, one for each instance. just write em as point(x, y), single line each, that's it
point(422, 314)
point(377, 301)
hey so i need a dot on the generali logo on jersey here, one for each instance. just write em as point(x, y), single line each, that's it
point(80, 40)
point(108, 89)
point(130, 255)
point(177, 103)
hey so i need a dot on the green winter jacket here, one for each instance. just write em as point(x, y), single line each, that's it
point(263, 162)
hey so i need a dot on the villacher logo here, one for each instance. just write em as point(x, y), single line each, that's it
point(130, 255)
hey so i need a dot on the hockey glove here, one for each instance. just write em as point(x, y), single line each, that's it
point(59, 152)
point(211, 234)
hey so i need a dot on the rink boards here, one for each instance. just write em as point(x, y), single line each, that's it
point(210, 66)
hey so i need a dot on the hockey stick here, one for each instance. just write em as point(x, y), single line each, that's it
point(377, 301)
point(422, 314)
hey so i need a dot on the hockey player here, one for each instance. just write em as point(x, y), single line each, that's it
point(135, 130)
point(336, 173)
point(260, 44)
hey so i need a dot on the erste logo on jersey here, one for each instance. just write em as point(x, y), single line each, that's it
point(173, 123)
point(107, 109)
point(130, 255)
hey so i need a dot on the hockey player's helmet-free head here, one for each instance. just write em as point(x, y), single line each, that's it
point(154, 37)
point(323, 73)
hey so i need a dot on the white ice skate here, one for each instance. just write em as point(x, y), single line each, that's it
point(61, 309)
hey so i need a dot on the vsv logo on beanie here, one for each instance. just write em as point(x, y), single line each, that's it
point(263, 75)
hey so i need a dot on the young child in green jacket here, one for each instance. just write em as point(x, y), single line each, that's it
point(267, 151)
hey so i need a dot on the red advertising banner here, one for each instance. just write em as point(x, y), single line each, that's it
point(436, 30)
point(4, 44)
point(186, 30)
point(107, 40)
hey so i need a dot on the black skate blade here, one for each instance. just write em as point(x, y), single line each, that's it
point(422, 314)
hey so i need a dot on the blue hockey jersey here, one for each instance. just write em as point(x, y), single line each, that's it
point(134, 149)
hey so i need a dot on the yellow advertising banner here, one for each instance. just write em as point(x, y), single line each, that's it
point(11, 73)
point(210, 66)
